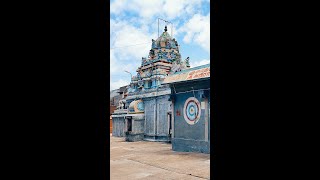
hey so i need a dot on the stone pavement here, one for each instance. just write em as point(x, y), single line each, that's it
point(155, 160)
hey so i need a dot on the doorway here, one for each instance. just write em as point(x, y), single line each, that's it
point(169, 126)
point(129, 124)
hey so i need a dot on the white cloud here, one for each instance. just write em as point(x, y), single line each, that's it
point(130, 45)
point(117, 6)
point(124, 56)
point(148, 9)
point(114, 66)
point(197, 31)
point(119, 83)
point(142, 25)
point(145, 9)
point(181, 8)
point(199, 63)
point(124, 34)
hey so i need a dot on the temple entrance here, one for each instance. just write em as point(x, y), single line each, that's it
point(169, 126)
point(110, 124)
point(209, 121)
point(129, 124)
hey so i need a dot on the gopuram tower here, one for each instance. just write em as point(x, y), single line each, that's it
point(164, 58)
point(149, 104)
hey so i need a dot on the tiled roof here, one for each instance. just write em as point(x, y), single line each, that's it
point(192, 69)
point(196, 73)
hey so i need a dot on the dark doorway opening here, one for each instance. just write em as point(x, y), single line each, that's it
point(170, 126)
point(129, 124)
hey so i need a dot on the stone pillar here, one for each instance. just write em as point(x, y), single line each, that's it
point(146, 84)
point(154, 83)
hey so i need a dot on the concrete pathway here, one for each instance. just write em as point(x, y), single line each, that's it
point(155, 160)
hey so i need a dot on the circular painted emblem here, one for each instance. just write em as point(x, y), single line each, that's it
point(192, 111)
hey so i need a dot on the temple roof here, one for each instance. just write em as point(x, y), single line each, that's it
point(165, 36)
point(196, 73)
point(163, 39)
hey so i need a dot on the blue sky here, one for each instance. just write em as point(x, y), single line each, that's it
point(133, 23)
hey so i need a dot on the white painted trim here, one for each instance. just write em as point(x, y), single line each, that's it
point(132, 124)
point(154, 117)
point(151, 94)
point(206, 126)
point(158, 114)
point(145, 123)
point(168, 127)
point(192, 91)
point(172, 121)
point(126, 124)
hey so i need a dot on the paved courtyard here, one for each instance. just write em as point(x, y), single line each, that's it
point(155, 160)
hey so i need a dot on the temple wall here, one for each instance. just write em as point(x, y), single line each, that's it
point(156, 121)
point(192, 137)
point(118, 125)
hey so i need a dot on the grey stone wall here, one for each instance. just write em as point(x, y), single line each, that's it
point(138, 125)
point(190, 145)
point(118, 125)
point(149, 111)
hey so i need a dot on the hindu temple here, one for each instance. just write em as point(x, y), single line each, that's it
point(155, 106)
point(163, 59)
